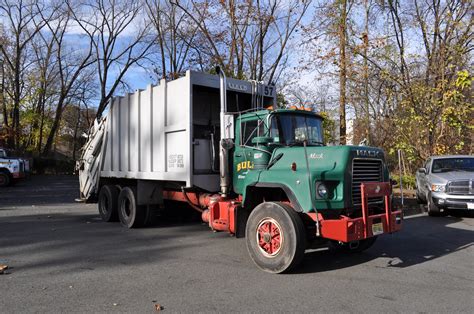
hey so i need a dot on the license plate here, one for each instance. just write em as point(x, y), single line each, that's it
point(470, 205)
point(377, 228)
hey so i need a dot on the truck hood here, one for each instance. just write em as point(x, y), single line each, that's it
point(444, 177)
point(325, 159)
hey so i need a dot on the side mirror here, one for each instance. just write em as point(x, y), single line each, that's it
point(228, 126)
point(422, 170)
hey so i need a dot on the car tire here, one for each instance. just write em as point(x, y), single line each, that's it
point(276, 237)
point(5, 179)
point(433, 209)
point(354, 246)
point(130, 214)
point(419, 198)
point(108, 203)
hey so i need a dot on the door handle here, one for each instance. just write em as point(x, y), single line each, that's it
point(238, 155)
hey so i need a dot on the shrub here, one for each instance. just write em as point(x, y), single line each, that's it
point(409, 181)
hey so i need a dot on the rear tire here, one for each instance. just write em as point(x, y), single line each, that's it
point(108, 203)
point(354, 246)
point(276, 237)
point(131, 215)
point(4, 179)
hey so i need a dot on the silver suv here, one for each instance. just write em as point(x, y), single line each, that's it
point(445, 183)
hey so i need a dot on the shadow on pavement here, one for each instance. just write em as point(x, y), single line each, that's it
point(40, 190)
point(421, 240)
point(83, 241)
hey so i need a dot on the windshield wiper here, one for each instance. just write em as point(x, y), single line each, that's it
point(316, 143)
point(294, 143)
point(446, 169)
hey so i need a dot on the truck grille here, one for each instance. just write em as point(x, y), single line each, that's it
point(365, 170)
point(461, 187)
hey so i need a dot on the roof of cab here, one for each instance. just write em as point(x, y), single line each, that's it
point(271, 111)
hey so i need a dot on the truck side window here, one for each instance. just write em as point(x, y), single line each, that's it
point(251, 129)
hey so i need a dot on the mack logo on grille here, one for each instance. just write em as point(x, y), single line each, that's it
point(368, 153)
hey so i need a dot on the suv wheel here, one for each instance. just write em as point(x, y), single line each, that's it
point(419, 198)
point(433, 209)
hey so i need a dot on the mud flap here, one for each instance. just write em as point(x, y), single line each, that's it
point(242, 215)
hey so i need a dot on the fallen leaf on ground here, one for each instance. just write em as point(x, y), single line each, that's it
point(3, 268)
point(158, 307)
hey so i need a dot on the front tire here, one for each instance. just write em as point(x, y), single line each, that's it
point(108, 203)
point(130, 214)
point(433, 209)
point(275, 237)
point(419, 198)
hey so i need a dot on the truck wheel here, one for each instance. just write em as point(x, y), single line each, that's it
point(354, 246)
point(275, 236)
point(108, 203)
point(131, 215)
point(433, 209)
point(4, 179)
point(419, 199)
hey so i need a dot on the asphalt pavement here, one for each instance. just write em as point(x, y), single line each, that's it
point(63, 258)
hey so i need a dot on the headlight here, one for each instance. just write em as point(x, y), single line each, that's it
point(322, 190)
point(438, 187)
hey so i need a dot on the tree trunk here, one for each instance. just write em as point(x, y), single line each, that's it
point(76, 129)
point(54, 129)
point(342, 71)
point(366, 73)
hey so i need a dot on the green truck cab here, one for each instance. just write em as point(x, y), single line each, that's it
point(284, 149)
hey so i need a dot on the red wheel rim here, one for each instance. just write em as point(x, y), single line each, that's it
point(269, 237)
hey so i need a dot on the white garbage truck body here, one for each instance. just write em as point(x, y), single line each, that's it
point(167, 132)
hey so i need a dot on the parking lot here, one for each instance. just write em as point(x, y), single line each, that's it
point(63, 258)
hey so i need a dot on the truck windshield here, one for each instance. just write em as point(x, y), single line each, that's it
point(294, 129)
point(453, 164)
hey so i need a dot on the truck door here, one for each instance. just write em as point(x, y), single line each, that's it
point(244, 149)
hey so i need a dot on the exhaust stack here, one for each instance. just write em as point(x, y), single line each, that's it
point(225, 144)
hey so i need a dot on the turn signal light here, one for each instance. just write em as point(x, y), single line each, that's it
point(293, 166)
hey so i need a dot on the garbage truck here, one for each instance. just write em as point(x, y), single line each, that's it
point(251, 169)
